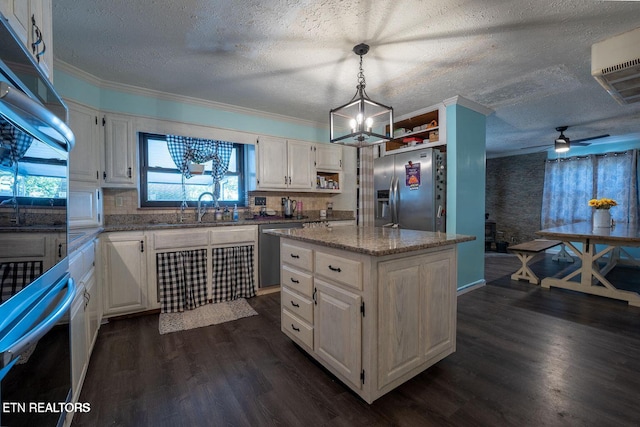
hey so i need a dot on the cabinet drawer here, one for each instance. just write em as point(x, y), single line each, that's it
point(303, 307)
point(298, 280)
point(89, 256)
point(232, 235)
point(179, 239)
point(297, 329)
point(345, 271)
point(297, 256)
point(76, 267)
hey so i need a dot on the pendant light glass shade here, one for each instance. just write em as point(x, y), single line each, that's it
point(362, 121)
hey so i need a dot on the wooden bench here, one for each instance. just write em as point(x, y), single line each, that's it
point(525, 252)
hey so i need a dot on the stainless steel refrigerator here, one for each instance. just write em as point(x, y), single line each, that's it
point(409, 190)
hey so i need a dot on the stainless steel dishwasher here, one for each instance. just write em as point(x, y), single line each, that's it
point(269, 253)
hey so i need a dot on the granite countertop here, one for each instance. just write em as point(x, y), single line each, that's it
point(376, 241)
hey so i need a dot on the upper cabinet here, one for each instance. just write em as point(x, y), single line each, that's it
point(84, 160)
point(328, 157)
point(119, 152)
point(328, 162)
point(284, 164)
point(32, 21)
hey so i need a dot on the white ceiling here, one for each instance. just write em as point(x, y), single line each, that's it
point(529, 61)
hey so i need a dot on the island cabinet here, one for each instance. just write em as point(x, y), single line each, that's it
point(374, 321)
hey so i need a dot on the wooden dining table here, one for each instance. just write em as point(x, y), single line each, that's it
point(599, 250)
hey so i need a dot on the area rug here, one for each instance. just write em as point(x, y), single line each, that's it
point(210, 314)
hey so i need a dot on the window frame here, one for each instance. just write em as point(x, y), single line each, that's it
point(143, 138)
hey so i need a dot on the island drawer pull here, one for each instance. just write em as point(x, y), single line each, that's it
point(295, 256)
point(334, 268)
point(294, 304)
point(294, 280)
point(294, 328)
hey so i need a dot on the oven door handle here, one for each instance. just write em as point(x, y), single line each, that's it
point(24, 334)
point(26, 110)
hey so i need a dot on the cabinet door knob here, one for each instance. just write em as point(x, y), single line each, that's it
point(294, 328)
point(294, 280)
point(141, 245)
point(337, 269)
point(294, 304)
point(295, 256)
point(315, 291)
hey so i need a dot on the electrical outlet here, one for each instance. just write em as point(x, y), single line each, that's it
point(260, 201)
point(119, 201)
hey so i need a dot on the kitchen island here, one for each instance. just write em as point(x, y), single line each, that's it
point(375, 306)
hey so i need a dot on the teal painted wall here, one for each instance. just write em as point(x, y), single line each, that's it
point(117, 101)
point(466, 166)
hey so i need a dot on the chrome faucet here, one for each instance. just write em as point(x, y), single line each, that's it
point(202, 209)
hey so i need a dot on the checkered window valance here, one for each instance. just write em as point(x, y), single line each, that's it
point(185, 150)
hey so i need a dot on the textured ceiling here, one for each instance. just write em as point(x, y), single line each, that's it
point(529, 61)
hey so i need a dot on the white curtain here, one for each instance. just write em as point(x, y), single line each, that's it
point(570, 183)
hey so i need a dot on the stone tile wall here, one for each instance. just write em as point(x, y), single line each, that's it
point(514, 196)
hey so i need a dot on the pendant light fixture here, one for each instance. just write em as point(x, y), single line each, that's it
point(361, 122)
point(562, 143)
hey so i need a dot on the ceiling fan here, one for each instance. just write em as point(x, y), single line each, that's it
point(562, 143)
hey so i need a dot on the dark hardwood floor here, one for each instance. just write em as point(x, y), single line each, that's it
point(525, 356)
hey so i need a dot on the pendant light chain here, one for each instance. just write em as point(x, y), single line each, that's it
point(361, 81)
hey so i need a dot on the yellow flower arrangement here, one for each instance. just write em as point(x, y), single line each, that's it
point(603, 203)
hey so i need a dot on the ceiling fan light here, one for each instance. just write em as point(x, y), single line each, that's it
point(562, 145)
point(362, 121)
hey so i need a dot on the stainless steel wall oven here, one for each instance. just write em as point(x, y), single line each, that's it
point(35, 288)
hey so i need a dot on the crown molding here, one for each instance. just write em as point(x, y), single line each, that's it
point(467, 103)
point(164, 96)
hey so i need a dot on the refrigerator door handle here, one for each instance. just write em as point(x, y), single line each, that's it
point(391, 201)
point(396, 196)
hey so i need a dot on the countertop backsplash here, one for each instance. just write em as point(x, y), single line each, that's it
point(129, 214)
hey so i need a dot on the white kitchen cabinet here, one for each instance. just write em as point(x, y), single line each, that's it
point(46, 247)
point(85, 205)
point(284, 164)
point(93, 309)
point(25, 16)
point(328, 157)
point(79, 354)
point(85, 312)
point(416, 289)
point(338, 330)
point(124, 272)
point(372, 321)
point(300, 165)
point(19, 18)
point(119, 152)
point(41, 15)
point(272, 163)
point(84, 159)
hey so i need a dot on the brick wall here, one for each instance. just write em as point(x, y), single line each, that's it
point(514, 195)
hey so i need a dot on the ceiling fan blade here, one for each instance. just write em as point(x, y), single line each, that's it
point(580, 141)
point(536, 146)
